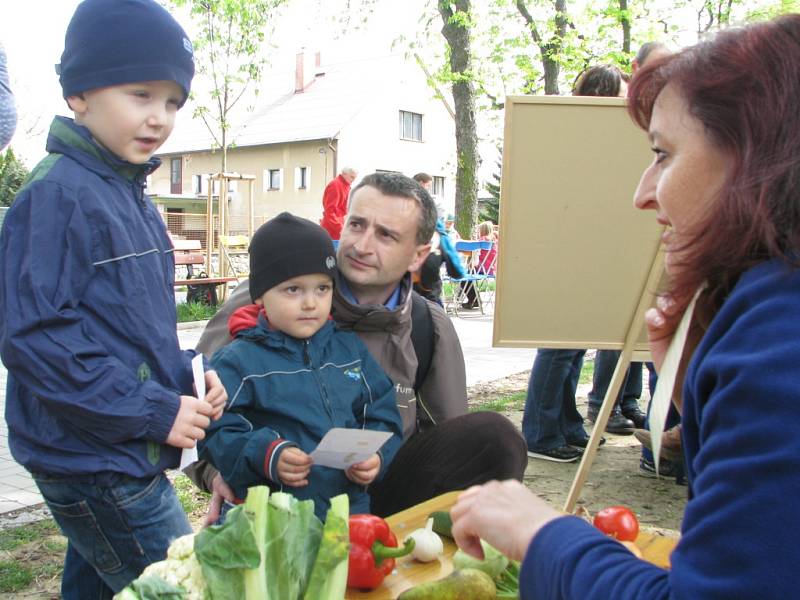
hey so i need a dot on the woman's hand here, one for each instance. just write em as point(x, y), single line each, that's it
point(661, 322)
point(506, 514)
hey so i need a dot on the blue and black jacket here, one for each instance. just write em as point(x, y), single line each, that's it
point(87, 316)
point(284, 392)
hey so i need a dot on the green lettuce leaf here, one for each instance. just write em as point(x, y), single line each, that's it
point(293, 537)
point(225, 551)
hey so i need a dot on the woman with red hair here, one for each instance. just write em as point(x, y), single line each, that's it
point(724, 124)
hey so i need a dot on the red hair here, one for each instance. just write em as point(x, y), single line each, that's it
point(744, 87)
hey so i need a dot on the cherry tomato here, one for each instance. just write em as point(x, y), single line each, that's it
point(618, 522)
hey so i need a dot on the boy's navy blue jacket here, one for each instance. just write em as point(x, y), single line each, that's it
point(87, 316)
point(287, 392)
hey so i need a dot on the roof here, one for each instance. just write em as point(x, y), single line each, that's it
point(326, 105)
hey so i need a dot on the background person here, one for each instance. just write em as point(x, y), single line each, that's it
point(551, 424)
point(8, 109)
point(722, 120)
point(334, 201)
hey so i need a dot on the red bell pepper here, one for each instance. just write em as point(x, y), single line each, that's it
point(373, 548)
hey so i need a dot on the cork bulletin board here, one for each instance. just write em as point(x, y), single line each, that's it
point(574, 254)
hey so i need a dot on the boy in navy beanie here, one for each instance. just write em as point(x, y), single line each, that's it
point(100, 398)
point(291, 376)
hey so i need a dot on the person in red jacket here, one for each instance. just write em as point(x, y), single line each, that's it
point(334, 202)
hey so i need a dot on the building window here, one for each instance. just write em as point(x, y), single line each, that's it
point(301, 178)
point(410, 126)
point(272, 179)
point(438, 186)
point(198, 184)
point(176, 175)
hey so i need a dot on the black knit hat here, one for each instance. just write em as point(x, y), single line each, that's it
point(113, 42)
point(285, 247)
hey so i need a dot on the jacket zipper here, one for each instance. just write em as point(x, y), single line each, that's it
point(320, 386)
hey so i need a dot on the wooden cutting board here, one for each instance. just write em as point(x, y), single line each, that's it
point(408, 572)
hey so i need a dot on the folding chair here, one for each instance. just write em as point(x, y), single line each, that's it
point(477, 277)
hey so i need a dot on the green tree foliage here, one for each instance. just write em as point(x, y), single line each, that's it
point(490, 208)
point(229, 53)
point(12, 175)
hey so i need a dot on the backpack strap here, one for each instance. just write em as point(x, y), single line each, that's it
point(421, 337)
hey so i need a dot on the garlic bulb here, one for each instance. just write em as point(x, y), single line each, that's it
point(428, 545)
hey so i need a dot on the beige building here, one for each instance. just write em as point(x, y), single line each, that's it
point(371, 114)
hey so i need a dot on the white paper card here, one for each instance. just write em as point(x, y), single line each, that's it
point(662, 398)
point(341, 448)
point(189, 455)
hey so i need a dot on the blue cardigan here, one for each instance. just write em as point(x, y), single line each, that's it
point(741, 436)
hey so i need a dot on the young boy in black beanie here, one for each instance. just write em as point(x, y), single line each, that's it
point(100, 397)
point(292, 375)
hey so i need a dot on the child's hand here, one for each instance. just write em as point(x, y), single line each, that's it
point(364, 472)
point(190, 423)
point(216, 395)
point(293, 467)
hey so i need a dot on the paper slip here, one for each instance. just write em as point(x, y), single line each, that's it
point(341, 448)
point(189, 455)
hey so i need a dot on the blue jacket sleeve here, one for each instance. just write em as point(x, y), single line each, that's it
point(377, 409)
point(569, 558)
point(45, 342)
point(232, 444)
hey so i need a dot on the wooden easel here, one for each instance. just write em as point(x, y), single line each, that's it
point(625, 357)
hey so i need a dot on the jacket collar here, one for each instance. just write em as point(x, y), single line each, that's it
point(263, 333)
point(73, 140)
point(371, 317)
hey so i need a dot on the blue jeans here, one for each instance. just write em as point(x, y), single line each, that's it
point(551, 419)
point(115, 526)
point(605, 361)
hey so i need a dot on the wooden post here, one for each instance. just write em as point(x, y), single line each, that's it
point(635, 328)
point(209, 224)
point(251, 210)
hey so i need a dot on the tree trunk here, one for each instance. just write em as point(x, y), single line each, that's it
point(625, 21)
point(456, 32)
point(549, 49)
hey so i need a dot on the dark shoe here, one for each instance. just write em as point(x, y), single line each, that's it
point(583, 442)
point(469, 305)
point(636, 415)
point(666, 469)
point(619, 425)
point(562, 454)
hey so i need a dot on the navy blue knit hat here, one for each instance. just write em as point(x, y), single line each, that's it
point(285, 247)
point(113, 42)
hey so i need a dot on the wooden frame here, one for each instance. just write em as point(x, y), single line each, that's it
point(577, 264)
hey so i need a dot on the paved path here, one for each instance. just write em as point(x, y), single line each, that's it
point(484, 363)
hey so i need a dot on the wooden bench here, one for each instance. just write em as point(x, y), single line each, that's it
point(205, 281)
point(187, 252)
